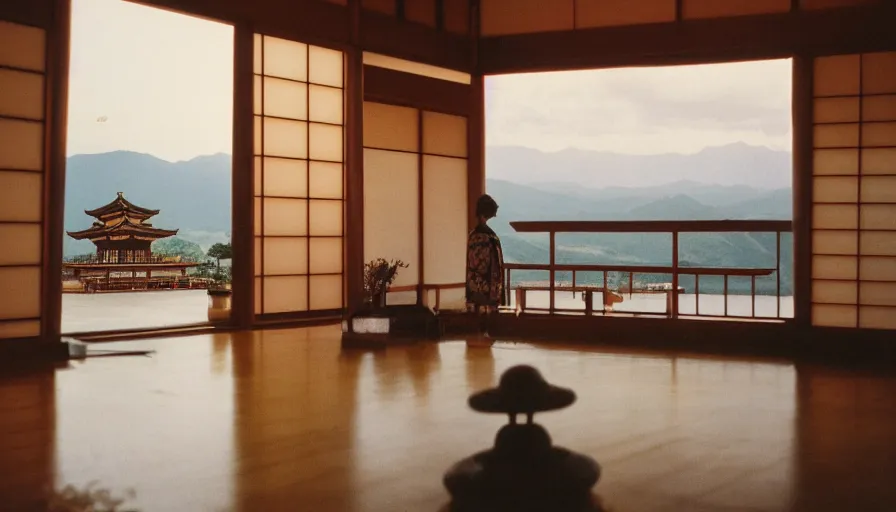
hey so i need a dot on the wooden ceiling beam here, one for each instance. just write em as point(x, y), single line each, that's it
point(693, 42)
point(328, 24)
point(398, 88)
point(307, 21)
point(36, 13)
point(389, 36)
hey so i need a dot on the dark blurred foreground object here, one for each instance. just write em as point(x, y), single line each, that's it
point(523, 472)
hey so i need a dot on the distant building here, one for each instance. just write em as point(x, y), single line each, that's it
point(121, 232)
point(124, 260)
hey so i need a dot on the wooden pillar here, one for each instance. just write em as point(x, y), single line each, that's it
point(552, 273)
point(354, 166)
point(802, 189)
point(58, 49)
point(421, 208)
point(243, 183)
point(674, 302)
point(475, 122)
point(476, 146)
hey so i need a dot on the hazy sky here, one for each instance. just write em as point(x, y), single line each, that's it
point(163, 81)
point(678, 109)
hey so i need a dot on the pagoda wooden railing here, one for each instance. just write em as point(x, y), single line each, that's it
point(154, 259)
point(674, 228)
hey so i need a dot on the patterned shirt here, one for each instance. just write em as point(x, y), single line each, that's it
point(485, 267)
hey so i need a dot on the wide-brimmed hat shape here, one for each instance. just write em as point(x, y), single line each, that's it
point(522, 390)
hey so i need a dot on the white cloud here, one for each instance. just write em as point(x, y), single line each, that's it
point(680, 109)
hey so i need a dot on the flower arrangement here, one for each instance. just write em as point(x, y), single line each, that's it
point(88, 499)
point(378, 275)
point(221, 277)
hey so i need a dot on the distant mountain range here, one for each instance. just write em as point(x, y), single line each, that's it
point(193, 196)
point(720, 185)
point(733, 164)
point(729, 182)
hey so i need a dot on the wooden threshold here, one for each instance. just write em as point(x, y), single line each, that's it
point(197, 329)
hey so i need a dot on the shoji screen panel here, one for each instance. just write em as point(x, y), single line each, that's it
point(299, 174)
point(457, 16)
point(854, 212)
point(421, 11)
point(503, 17)
point(444, 205)
point(696, 9)
point(383, 6)
point(392, 190)
point(829, 4)
point(22, 101)
point(607, 13)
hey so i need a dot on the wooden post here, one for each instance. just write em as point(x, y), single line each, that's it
point(778, 272)
point(421, 206)
point(57, 78)
point(551, 284)
point(725, 294)
point(476, 121)
point(674, 311)
point(753, 296)
point(242, 179)
point(697, 294)
point(802, 109)
point(354, 167)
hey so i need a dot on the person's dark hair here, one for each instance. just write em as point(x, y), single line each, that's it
point(486, 207)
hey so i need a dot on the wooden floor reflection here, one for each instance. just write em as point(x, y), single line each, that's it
point(285, 420)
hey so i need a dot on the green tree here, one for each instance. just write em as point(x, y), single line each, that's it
point(220, 252)
point(175, 246)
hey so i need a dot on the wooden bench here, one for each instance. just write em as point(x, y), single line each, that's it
point(423, 293)
point(440, 320)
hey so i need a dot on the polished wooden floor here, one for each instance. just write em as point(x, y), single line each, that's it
point(285, 420)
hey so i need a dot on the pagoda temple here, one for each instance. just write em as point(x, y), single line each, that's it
point(123, 237)
point(121, 232)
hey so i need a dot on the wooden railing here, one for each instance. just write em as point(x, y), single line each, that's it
point(93, 259)
point(674, 228)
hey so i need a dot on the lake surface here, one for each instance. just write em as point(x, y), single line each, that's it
point(141, 310)
point(145, 310)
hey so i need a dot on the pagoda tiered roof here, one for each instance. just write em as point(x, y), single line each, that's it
point(122, 220)
point(122, 229)
point(119, 206)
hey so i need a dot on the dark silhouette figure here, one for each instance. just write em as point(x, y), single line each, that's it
point(523, 472)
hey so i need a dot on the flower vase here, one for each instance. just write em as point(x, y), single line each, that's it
point(379, 301)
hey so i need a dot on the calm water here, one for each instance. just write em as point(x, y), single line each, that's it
point(112, 311)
